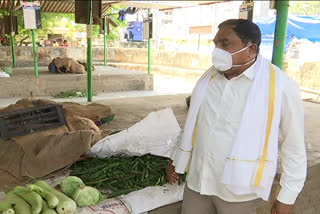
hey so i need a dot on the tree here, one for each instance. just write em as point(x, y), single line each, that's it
point(48, 22)
point(51, 20)
point(112, 13)
point(305, 7)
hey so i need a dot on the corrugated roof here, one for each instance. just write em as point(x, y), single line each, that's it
point(166, 5)
point(57, 6)
point(67, 6)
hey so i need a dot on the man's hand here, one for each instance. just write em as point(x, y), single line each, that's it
point(172, 176)
point(281, 208)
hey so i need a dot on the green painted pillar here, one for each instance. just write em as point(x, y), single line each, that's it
point(12, 42)
point(149, 48)
point(89, 52)
point(149, 56)
point(280, 32)
point(105, 40)
point(35, 59)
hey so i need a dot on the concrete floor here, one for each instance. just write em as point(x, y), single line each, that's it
point(163, 84)
point(23, 83)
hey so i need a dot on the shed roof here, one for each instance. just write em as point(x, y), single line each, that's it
point(67, 6)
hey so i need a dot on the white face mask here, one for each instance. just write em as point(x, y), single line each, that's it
point(222, 60)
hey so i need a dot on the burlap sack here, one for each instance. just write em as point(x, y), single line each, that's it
point(41, 153)
point(94, 111)
point(20, 104)
point(80, 123)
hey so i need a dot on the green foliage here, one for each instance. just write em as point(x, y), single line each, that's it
point(51, 20)
point(115, 34)
point(72, 94)
point(305, 7)
point(48, 21)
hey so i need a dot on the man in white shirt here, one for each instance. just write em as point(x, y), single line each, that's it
point(218, 122)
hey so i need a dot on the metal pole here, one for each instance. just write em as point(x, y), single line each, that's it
point(105, 40)
point(149, 56)
point(149, 46)
point(12, 42)
point(35, 59)
point(280, 32)
point(89, 52)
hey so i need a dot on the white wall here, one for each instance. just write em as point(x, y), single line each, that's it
point(174, 25)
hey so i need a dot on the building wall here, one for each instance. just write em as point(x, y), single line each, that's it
point(24, 56)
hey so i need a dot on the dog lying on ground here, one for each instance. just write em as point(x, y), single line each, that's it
point(85, 65)
point(68, 65)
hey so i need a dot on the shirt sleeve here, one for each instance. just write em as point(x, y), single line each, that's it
point(292, 151)
point(175, 149)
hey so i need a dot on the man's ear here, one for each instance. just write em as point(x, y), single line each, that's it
point(253, 49)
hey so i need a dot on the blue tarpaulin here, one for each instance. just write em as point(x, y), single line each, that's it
point(300, 27)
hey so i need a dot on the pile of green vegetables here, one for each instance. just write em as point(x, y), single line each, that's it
point(116, 176)
point(41, 198)
point(72, 93)
point(83, 195)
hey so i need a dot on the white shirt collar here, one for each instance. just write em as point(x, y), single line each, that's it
point(250, 73)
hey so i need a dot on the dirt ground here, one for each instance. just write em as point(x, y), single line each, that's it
point(129, 111)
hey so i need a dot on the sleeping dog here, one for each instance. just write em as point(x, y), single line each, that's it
point(68, 65)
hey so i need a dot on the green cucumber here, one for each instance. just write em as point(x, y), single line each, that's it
point(8, 211)
point(46, 209)
point(66, 205)
point(33, 198)
point(51, 199)
point(5, 204)
point(21, 206)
